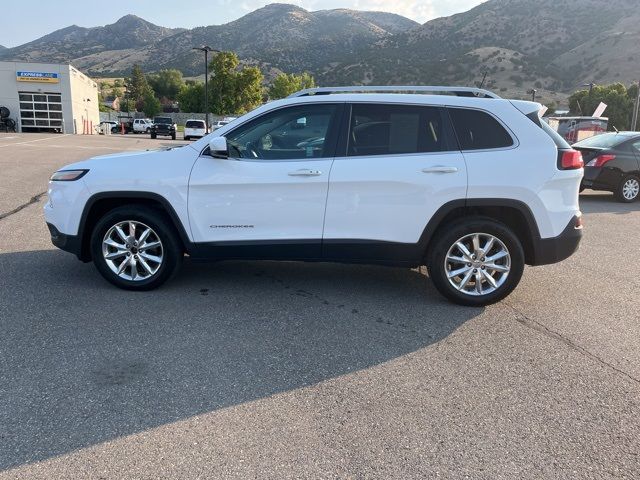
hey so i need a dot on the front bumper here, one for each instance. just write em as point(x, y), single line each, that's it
point(68, 243)
point(163, 132)
point(556, 249)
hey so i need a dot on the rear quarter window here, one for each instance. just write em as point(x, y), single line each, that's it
point(477, 130)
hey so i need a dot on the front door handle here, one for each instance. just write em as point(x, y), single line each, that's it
point(305, 172)
point(440, 169)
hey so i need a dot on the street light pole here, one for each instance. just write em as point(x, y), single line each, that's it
point(206, 49)
point(634, 122)
point(590, 85)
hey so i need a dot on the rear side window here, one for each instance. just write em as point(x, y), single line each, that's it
point(477, 130)
point(395, 129)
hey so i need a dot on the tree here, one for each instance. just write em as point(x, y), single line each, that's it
point(233, 89)
point(287, 83)
point(166, 83)
point(150, 104)
point(248, 90)
point(619, 104)
point(191, 97)
point(137, 86)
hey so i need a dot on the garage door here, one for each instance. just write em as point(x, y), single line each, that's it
point(40, 111)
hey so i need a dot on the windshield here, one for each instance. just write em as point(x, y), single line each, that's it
point(163, 120)
point(606, 140)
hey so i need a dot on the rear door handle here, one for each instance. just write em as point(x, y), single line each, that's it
point(440, 169)
point(305, 172)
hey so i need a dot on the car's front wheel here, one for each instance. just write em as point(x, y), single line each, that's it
point(136, 248)
point(476, 262)
point(629, 189)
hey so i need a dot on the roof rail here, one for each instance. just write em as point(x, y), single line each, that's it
point(458, 91)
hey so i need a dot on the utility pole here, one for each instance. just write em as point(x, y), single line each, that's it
point(484, 77)
point(636, 107)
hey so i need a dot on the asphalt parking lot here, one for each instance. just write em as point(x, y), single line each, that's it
point(286, 370)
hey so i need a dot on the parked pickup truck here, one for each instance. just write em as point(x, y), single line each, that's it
point(163, 126)
point(142, 125)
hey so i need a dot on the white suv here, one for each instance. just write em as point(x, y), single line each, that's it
point(194, 128)
point(471, 185)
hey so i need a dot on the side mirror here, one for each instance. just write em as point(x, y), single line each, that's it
point(218, 147)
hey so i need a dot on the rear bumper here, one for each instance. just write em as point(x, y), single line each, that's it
point(596, 178)
point(556, 249)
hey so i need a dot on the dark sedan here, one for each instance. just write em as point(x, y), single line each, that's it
point(612, 163)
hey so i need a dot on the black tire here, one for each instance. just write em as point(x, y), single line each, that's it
point(457, 230)
point(148, 130)
point(620, 191)
point(153, 136)
point(173, 136)
point(162, 227)
point(186, 138)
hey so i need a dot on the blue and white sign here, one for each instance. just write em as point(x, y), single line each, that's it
point(40, 77)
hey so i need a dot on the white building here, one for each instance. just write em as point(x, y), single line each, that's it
point(45, 97)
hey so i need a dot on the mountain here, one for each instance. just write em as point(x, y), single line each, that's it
point(283, 36)
point(67, 44)
point(549, 44)
point(278, 35)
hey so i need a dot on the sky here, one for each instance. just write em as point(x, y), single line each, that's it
point(26, 20)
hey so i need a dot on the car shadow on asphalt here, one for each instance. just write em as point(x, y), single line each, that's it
point(83, 362)
point(591, 202)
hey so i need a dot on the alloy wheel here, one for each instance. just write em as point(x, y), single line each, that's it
point(477, 264)
point(132, 250)
point(631, 188)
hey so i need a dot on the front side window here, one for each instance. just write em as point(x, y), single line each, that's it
point(477, 130)
point(395, 129)
point(289, 133)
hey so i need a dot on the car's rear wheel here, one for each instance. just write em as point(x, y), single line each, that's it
point(186, 137)
point(476, 261)
point(153, 136)
point(147, 130)
point(173, 136)
point(629, 189)
point(136, 248)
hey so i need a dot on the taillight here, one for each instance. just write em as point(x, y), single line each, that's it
point(600, 160)
point(570, 160)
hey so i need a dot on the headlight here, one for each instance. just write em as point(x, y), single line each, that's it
point(68, 175)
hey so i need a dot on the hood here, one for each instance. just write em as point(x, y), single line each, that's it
point(117, 158)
